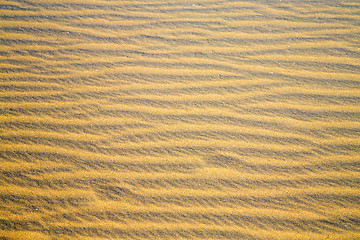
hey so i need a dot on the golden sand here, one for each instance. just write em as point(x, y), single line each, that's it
point(179, 119)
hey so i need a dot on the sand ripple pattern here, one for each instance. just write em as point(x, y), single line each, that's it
point(167, 119)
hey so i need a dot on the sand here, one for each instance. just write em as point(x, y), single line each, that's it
point(179, 119)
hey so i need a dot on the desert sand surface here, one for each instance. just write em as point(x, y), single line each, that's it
point(167, 119)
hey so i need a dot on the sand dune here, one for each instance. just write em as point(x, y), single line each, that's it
point(170, 119)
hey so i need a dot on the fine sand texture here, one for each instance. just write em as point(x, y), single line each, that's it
point(171, 119)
